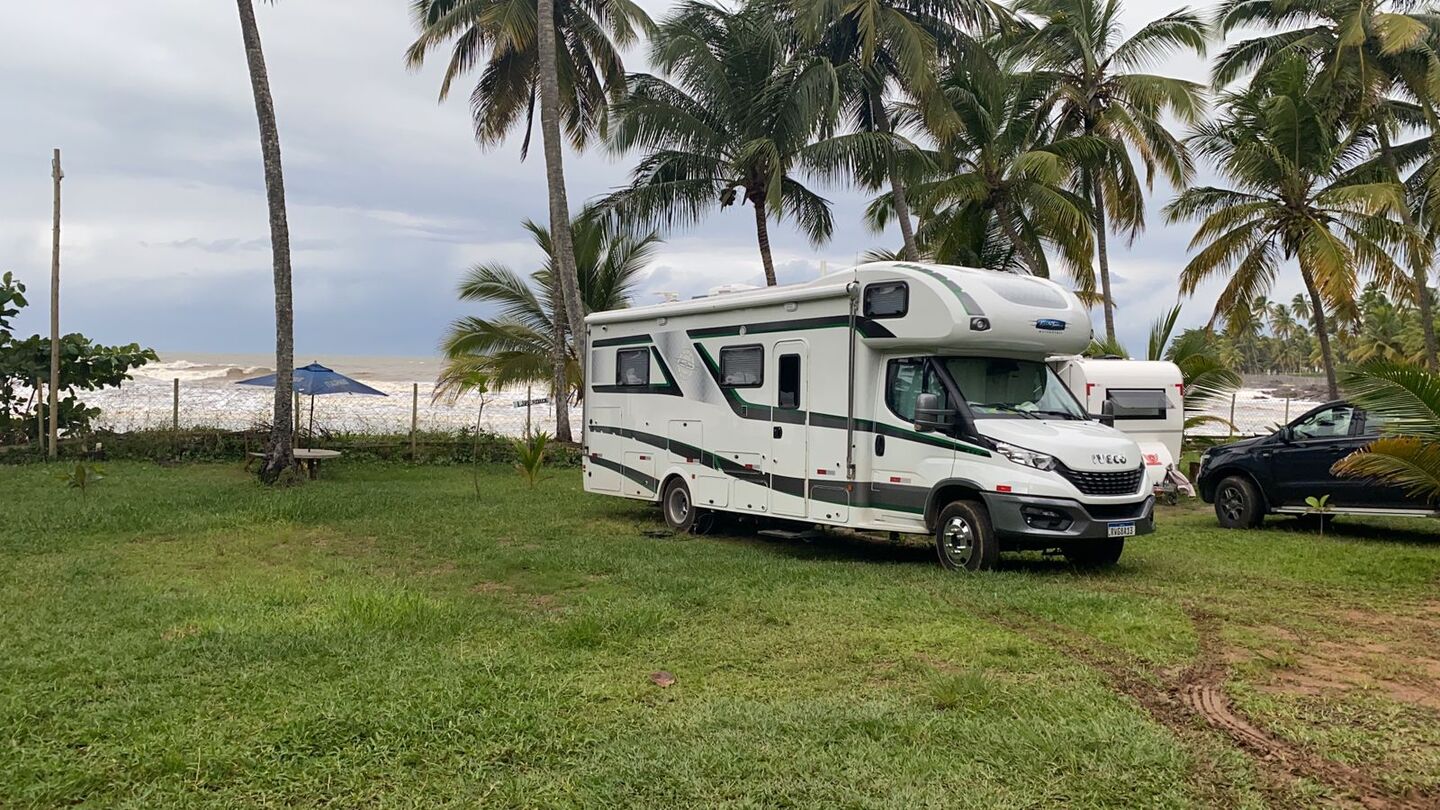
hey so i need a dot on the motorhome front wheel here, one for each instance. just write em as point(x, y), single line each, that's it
point(964, 538)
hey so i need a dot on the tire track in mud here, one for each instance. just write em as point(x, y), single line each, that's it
point(1178, 699)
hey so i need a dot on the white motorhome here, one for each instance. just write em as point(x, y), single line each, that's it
point(1146, 400)
point(895, 397)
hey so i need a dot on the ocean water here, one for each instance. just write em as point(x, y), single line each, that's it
point(209, 397)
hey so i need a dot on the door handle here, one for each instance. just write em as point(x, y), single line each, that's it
point(777, 432)
point(879, 445)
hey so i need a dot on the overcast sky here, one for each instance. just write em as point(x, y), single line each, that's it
point(165, 237)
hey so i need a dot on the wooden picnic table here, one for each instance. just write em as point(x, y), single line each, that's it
point(310, 459)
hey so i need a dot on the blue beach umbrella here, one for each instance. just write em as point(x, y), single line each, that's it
point(316, 379)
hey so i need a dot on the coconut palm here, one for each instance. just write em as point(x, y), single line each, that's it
point(566, 53)
point(997, 195)
point(1285, 155)
point(883, 46)
point(736, 115)
point(280, 451)
point(520, 344)
point(1407, 398)
point(1101, 90)
point(1367, 52)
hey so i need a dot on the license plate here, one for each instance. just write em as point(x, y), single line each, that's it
point(1126, 529)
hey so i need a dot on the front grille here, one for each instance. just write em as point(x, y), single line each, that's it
point(1116, 511)
point(1105, 483)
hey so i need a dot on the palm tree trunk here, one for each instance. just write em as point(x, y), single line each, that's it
point(1007, 224)
point(1102, 252)
point(762, 235)
point(1419, 262)
point(564, 245)
point(1322, 331)
point(561, 396)
point(280, 455)
point(897, 186)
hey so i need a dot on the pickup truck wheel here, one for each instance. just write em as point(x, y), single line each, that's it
point(1238, 504)
point(680, 511)
point(964, 538)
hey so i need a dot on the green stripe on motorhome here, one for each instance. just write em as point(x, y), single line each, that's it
point(632, 340)
point(970, 305)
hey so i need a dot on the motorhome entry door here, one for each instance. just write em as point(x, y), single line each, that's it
point(788, 441)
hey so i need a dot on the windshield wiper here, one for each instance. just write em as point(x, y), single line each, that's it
point(1064, 414)
point(1001, 406)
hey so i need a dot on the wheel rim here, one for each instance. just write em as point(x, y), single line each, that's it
point(1232, 503)
point(677, 506)
point(958, 541)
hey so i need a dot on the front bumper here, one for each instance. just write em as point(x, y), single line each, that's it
point(1071, 519)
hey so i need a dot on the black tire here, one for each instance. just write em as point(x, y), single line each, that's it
point(964, 538)
point(1101, 553)
point(679, 510)
point(1238, 504)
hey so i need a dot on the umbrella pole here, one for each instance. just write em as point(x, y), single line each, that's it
point(312, 419)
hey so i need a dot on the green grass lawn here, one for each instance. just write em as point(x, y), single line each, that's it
point(182, 636)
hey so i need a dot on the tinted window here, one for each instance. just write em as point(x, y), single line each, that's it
point(789, 396)
point(1331, 423)
point(1138, 403)
point(905, 381)
point(889, 299)
point(1374, 423)
point(742, 366)
point(632, 367)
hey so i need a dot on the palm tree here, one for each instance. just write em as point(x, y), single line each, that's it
point(1285, 154)
point(1101, 91)
point(566, 52)
point(522, 343)
point(885, 44)
point(280, 453)
point(997, 195)
point(1366, 51)
point(1407, 397)
point(740, 115)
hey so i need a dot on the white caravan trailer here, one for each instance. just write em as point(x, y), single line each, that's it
point(1146, 398)
point(893, 397)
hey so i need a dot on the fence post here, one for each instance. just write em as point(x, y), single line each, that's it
point(175, 408)
point(297, 415)
point(414, 419)
point(1231, 437)
point(40, 413)
point(1287, 410)
point(529, 403)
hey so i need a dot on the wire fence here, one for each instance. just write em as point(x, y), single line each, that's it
point(150, 404)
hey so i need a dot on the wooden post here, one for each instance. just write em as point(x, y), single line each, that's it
point(1287, 410)
point(296, 411)
point(57, 175)
point(40, 413)
point(1232, 418)
point(175, 408)
point(529, 403)
point(414, 419)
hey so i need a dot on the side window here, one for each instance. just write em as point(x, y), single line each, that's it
point(742, 366)
point(1374, 423)
point(632, 367)
point(905, 381)
point(1331, 423)
point(789, 395)
point(887, 299)
point(1138, 403)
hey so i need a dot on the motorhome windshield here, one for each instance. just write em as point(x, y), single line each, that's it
point(999, 388)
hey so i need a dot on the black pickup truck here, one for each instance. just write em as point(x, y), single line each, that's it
point(1248, 479)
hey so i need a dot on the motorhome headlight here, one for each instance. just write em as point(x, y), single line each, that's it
point(1029, 458)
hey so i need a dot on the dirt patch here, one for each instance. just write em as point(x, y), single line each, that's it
point(539, 601)
point(1176, 698)
point(181, 632)
point(1403, 675)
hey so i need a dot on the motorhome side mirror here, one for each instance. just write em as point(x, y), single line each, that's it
point(1106, 416)
point(929, 416)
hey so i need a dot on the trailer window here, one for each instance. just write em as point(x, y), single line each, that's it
point(742, 366)
point(905, 380)
point(789, 396)
point(1138, 403)
point(890, 299)
point(632, 367)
